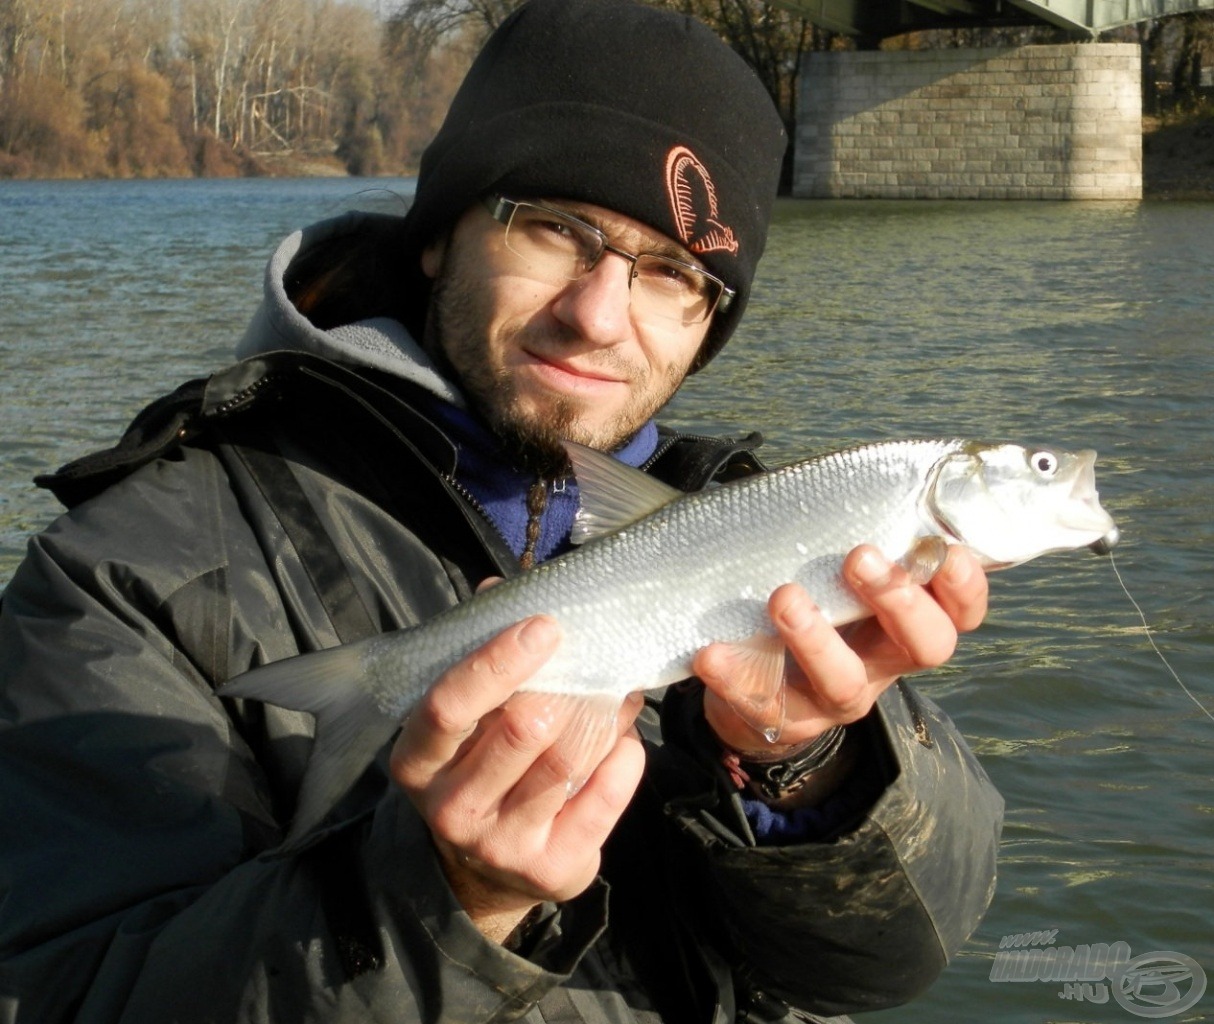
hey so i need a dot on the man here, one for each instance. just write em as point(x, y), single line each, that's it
point(584, 234)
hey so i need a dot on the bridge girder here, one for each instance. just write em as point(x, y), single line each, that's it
point(878, 19)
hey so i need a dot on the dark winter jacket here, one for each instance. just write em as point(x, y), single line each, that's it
point(288, 504)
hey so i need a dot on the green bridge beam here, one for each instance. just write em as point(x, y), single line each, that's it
point(877, 19)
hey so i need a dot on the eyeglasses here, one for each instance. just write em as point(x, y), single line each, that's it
point(559, 247)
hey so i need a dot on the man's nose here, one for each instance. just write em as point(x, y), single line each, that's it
point(598, 304)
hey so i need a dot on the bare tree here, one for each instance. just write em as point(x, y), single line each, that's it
point(1197, 36)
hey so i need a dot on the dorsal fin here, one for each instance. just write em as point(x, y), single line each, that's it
point(612, 494)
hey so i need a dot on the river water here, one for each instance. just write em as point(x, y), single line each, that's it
point(1074, 324)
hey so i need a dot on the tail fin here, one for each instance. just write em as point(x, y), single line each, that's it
point(350, 727)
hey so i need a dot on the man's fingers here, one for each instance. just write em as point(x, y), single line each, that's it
point(450, 711)
point(492, 770)
point(537, 838)
point(835, 676)
point(908, 613)
point(587, 819)
point(962, 589)
point(827, 681)
point(584, 734)
point(519, 767)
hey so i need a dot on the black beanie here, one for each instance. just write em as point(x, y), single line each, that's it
point(639, 110)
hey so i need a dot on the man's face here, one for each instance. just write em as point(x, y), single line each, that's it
point(543, 361)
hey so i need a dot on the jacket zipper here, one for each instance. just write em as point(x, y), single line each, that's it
point(244, 395)
point(477, 507)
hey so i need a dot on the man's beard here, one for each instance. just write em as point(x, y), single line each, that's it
point(531, 442)
point(455, 335)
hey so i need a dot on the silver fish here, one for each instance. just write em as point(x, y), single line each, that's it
point(659, 574)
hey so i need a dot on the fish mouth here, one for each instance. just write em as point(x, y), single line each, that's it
point(1083, 489)
point(1085, 504)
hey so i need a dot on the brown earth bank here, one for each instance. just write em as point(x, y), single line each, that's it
point(301, 165)
point(214, 159)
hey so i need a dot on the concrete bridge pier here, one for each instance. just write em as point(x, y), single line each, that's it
point(1030, 122)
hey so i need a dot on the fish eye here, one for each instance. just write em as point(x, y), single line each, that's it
point(1045, 463)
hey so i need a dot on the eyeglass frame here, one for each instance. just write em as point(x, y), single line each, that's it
point(502, 210)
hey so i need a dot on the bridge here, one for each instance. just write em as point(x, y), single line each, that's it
point(1055, 121)
point(872, 20)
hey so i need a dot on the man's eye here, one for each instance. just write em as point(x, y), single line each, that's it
point(555, 227)
point(669, 275)
point(552, 231)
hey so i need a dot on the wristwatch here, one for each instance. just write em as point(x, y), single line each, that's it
point(786, 773)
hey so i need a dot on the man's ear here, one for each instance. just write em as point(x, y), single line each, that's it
point(432, 256)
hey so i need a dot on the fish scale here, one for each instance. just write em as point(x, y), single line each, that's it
point(662, 574)
point(723, 597)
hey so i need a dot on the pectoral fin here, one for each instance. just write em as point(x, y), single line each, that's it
point(754, 673)
point(586, 729)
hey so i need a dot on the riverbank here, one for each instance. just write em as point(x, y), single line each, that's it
point(1178, 158)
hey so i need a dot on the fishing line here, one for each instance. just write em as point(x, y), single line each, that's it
point(1151, 640)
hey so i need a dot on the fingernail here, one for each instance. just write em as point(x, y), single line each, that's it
point(798, 614)
point(948, 571)
point(871, 570)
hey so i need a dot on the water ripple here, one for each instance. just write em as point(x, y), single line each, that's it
point(1082, 325)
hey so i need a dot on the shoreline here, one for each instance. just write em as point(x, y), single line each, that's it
point(1177, 163)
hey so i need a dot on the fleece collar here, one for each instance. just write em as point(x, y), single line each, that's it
point(502, 490)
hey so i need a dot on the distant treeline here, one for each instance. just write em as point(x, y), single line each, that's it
point(210, 87)
point(117, 88)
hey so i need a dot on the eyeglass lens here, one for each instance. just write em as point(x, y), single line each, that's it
point(561, 247)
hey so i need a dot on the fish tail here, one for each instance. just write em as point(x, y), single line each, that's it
point(350, 727)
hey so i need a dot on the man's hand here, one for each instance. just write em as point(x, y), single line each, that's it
point(841, 673)
point(491, 780)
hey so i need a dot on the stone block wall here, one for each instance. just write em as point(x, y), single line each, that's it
point(1031, 122)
